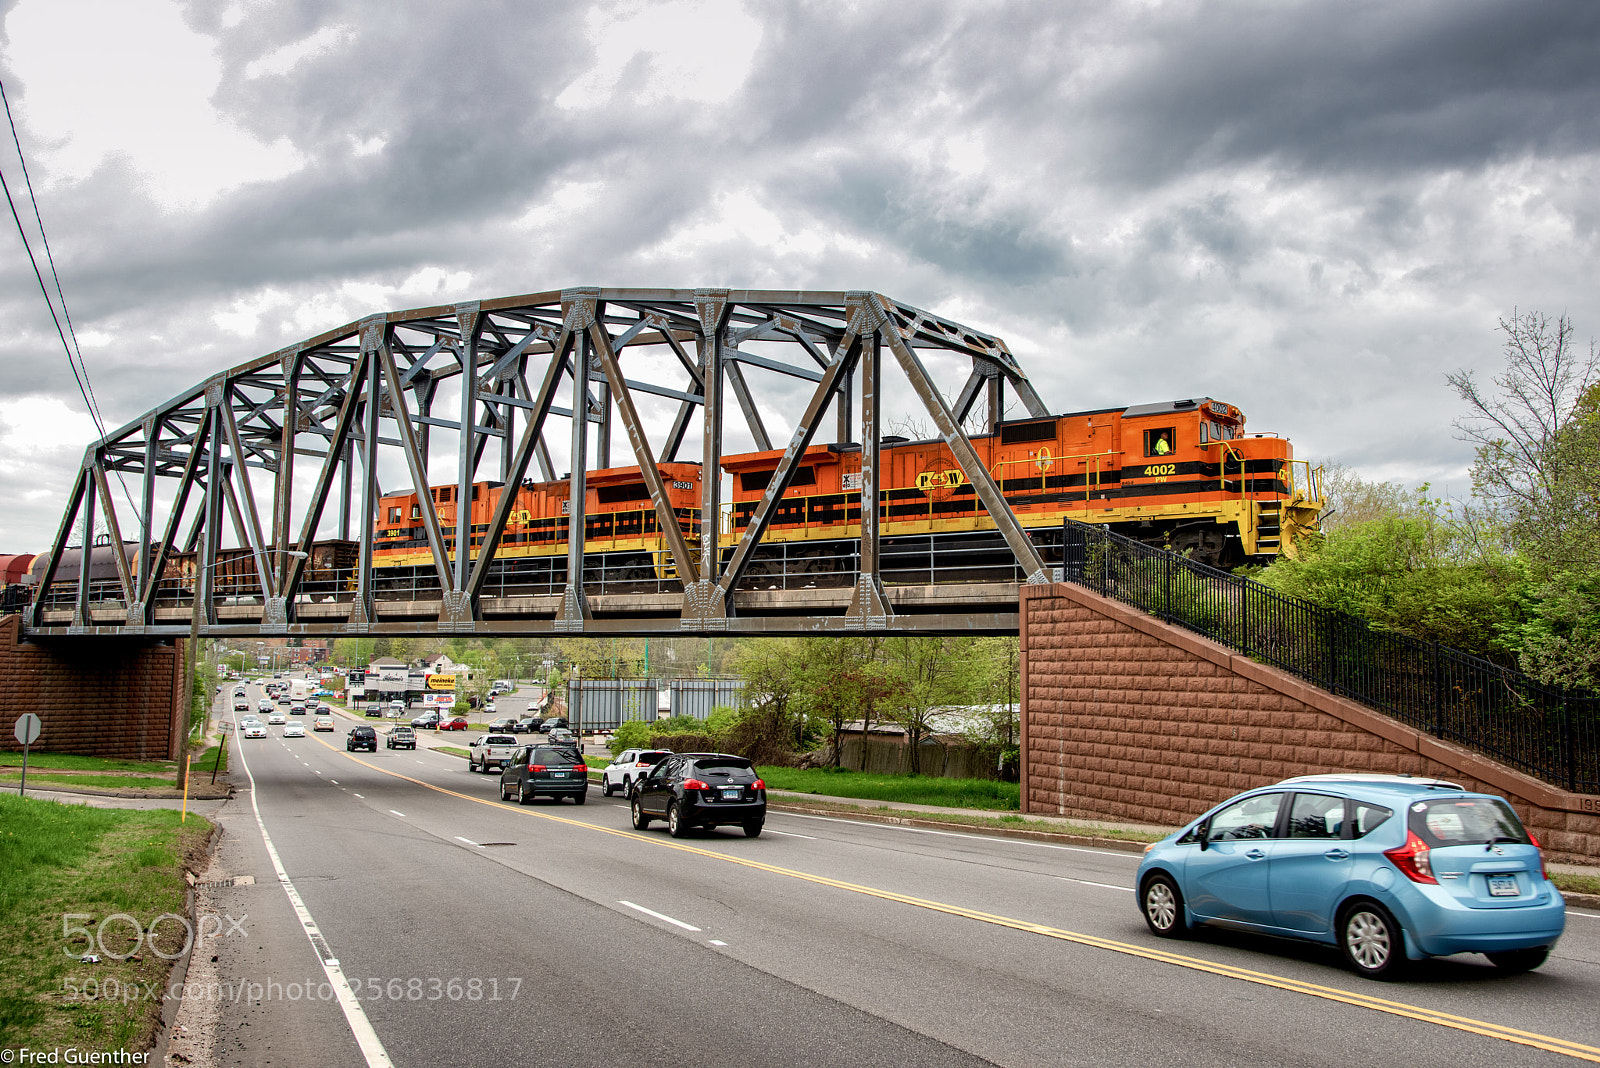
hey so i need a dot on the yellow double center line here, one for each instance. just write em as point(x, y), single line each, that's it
point(1327, 993)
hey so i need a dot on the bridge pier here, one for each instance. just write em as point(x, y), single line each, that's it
point(111, 697)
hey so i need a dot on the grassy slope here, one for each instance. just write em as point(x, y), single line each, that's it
point(57, 860)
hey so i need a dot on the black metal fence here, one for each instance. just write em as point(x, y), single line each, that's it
point(1548, 733)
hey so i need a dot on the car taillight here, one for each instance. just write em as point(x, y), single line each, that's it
point(535, 767)
point(694, 784)
point(758, 785)
point(1544, 873)
point(1412, 859)
point(581, 769)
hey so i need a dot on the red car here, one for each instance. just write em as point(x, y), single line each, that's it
point(455, 723)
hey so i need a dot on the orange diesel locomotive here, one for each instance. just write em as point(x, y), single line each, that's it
point(621, 533)
point(1180, 474)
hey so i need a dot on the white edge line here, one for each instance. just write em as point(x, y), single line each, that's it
point(659, 916)
point(360, 1027)
point(469, 842)
point(1106, 886)
point(397, 812)
point(791, 834)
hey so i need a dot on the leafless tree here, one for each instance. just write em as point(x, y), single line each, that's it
point(1516, 429)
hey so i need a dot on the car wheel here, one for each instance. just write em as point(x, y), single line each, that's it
point(581, 798)
point(677, 826)
point(1371, 940)
point(505, 794)
point(753, 829)
point(641, 822)
point(1162, 904)
point(605, 786)
point(523, 796)
point(1517, 961)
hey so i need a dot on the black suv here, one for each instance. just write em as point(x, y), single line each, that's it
point(361, 738)
point(374, 712)
point(555, 770)
point(691, 790)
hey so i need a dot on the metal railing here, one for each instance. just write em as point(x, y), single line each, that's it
point(1545, 732)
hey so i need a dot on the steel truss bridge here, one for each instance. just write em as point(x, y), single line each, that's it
point(268, 457)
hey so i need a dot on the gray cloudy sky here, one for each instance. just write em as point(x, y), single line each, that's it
point(1313, 210)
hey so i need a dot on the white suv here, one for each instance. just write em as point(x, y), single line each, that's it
point(630, 766)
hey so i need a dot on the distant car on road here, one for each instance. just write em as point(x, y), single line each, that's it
point(400, 737)
point(256, 729)
point(361, 738)
point(294, 730)
point(504, 725)
point(322, 723)
point(454, 723)
point(374, 711)
point(277, 719)
point(527, 724)
point(554, 771)
point(707, 790)
point(1387, 868)
point(630, 765)
point(428, 721)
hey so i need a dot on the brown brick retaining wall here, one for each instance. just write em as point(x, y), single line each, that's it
point(99, 696)
point(1127, 718)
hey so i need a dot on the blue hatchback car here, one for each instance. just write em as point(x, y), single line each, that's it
point(1387, 868)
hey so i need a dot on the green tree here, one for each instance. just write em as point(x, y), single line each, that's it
point(1537, 469)
point(933, 672)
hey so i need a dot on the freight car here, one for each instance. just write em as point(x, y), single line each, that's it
point(1178, 474)
point(330, 568)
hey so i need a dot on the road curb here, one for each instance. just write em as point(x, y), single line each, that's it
point(1057, 837)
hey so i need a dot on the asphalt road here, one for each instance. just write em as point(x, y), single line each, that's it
point(823, 942)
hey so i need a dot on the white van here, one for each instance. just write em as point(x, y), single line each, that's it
point(397, 709)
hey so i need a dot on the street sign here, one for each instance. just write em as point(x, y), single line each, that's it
point(27, 729)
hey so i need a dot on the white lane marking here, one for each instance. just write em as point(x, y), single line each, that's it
point(469, 842)
point(360, 1027)
point(334, 781)
point(402, 815)
point(659, 916)
point(318, 772)
point(791, 834)
point(362, 796)
point(975, 837)
point(1106, 886)
point(717, 943)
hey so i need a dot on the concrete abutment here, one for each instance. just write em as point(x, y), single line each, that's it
point(109, 697)
point(1127, 718)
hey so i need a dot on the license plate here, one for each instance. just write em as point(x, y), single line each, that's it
point(1503, 886)
point(558, 775)
point(732, 793)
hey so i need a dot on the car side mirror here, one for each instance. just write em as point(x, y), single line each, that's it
point(1205, 836)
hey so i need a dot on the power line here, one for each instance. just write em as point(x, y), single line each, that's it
point(75, 361)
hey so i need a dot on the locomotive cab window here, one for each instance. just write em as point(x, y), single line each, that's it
point(1159, 442)
point(394, 516)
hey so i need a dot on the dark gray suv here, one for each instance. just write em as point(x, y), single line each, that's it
point(555, 771)
point(691, 790)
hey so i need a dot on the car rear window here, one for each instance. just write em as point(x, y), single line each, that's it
point(553, 756)
point(723, 763)
point(499, 739)
point(1465, 821)
point(653, 756)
